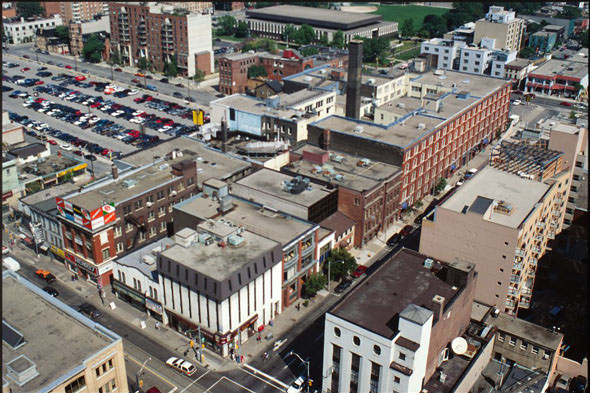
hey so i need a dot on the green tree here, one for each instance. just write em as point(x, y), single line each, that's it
point(435, 25)
point(143, 63)
point(255, 71)
point(262, 4)
point(227, 25)
point(63, 33)
point(305, 35)
point(309, 51)
point(92, 50)
point(289, 32)
point(440, 185)
point(241, 29)
point(570, 12)
point(199, 76)
point(324, 39)
point(26, 9)
point(314, 283)
point(407, 28)
point(339, 270)
point(526, 52)
point(170, 68)
point(338, 40)
point(375, 49)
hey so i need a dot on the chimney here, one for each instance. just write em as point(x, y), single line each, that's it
point(438, 307)
point(353, 84)
point(326, 139)
point(115, 171)
point(223, 136)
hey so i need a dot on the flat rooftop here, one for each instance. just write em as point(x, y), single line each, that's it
point(518, 63)
point(48, 326)
point(314, 76)
point(271, 183)
point(493, 184)
point(375, 304)
point(49, 194)
point(319, 17)
point(135, 258)
point(253, 105)
point(551, 68)
point(220, 262)
point(524, 329)
point(476, 85)
point(50, 165)
point(301, 96)
point(265, 222)
point(353, 176)
point(241, 56)
point(128, 185)
point(210, 163)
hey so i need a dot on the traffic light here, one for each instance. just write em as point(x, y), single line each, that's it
point(141, 383)
point(192, 343)
point(310, 382)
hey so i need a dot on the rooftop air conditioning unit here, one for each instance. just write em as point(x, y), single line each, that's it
point(421, 126)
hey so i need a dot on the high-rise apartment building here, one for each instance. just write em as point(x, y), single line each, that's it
point(501, 222)
point(504, 26)
point(81, 11)
point(50, 8)
point(162, 34)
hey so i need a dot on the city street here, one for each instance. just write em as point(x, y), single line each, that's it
point(202, 98)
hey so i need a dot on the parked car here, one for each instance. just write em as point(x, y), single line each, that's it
point(360, 270)
point(406, 230)
point(470, 173)
point(90, 310)
point(343, 286)
point(297, 385)
point(118, 69)
point(395, 239)
point(45, 275)
point(565, 103)
point(69, 67)
point(177, 94)
point(52, 291)
point(181, 365)
point(578, 384)
point(563, 382)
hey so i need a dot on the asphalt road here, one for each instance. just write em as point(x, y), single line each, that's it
point(202, 98)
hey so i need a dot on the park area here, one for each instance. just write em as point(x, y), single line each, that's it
point(399, 13)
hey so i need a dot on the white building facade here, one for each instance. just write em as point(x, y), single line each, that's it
point(23, 31)
point(358, 360)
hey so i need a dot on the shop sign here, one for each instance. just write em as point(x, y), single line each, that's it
point(81, 263)
point(248, 323)
point(154, 306)
point(129, 292)
point(104, 268)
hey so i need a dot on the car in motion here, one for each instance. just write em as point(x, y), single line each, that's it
point(45, 275)
point(181, 365)
point(406, 230)
point(297, 385)
point(52, 291)
point(90, 310)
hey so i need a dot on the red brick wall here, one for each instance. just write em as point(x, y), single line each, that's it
point(203, 62)
point(346, 205)
point(8, 12)
point(233, 74)
point(50, 8)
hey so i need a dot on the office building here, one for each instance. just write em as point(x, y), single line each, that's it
point(162, 34)
point(503, 26)
point(35, 338)
point(502, 223)
point(20, 31)
point(542, 42)
point(82, 11)
point(202, 7)
point(391, 332)
point(118, 214)
point(270, 22)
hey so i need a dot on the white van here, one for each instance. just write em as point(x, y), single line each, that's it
point(11, 264)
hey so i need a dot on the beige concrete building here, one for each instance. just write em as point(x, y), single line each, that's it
point(501, 222)
point(81, 11)
point(33, 355)
point(503, 26)
point(192, 6)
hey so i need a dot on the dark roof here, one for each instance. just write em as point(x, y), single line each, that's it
point(408, 344)
point(317, 17)
point(28, 150)
point(276, 86)
point(480, 205)
point(338, 222)
point(377, 302)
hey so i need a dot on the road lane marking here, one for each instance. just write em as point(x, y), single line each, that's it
point(269, 377)
point(152, 371)
point(232, 381)
point(193, 382)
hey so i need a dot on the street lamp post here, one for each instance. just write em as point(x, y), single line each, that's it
point(329, 262)
point(306, 363)
point(139, 373)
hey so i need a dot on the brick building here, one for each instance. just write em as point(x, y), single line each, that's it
point(233, 68)
point(392, 332)
point(81, 31)
point(113, 217)
point(445, 122)
point(82, 11)
point(51, 8)
point(162, 34)
point(368, 191)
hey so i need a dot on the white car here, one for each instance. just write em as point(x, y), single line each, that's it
point(41, 110)
point(297, 385)
point(27, 104)
point(164, 129)
point(132, 92)
point(65, 146)
point(105, 108)
point(94, 120)
point(78, 122)
point(137, 113)
point(135, 120)
point(181, 365)
point(117, 113)
point(517, 102)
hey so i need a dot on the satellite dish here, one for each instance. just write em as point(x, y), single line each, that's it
point(459, 345)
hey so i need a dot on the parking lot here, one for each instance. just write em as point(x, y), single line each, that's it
point(103, 119)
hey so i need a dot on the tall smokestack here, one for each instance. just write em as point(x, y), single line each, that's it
point(115, 171)
point(353, 84)
point(223, 135)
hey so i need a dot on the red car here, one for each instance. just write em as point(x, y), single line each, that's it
point(51, 142)
point(565, 103)
point(134, 133)
point(79, 113)
point(149, 98)
point(69, 67)
point(135, 80)
point(80, 78)
point(95, 105)
point(39, 100)
point(105, 152)
point(39, 83)
point(406, 230)
point(139, 100)
point(79, 153)
point(359, 271)
point(24, 69)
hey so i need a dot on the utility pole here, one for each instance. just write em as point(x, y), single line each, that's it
point(329, 263)
point(306, 363)
point(139, 373)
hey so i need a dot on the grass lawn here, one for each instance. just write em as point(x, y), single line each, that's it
point(230, 38)
point(409, 54)
point(399, 13)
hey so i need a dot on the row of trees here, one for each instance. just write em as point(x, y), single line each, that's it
point(229, 26)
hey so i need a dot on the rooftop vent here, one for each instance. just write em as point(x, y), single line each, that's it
point(148, 260)
point(358, 129)
point(21, 370)
point(296, 185)
point(421, 126)
point(428, 263)
point(339, 177)
point(130, 183)
point(11, 336)
point(371, 81)
point(337, 158)
point(365, 162)
point(401, 105)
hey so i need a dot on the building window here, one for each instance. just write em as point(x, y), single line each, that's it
point(396, 379)
point(356, 340)
point(138, 204)
point(151, 216)
point(374, 383)
point(402, 356)
point(106, 253)
point(501, 336)
point(76, 385)
point(512, 341)
point(354, 372)
point(162, 226)
point(535, 350)
point(336, 353)
point(377, 349)
point(119, 247)
point(523, 346)
point(337, 332)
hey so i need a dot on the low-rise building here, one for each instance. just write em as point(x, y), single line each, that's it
point(542, 42)
point(271, 22)
point(567, 24)
point(296, 196)
point(463, 33)
point(81, 31)
point(223, 279)
point(21, 30)
point(511, 217)
point(559, 78)
point(12, 188)
point(343, 228)
point(94, 360)
point(517, 71)
point(391, 332)
point(12, 133)
point(299, 239)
